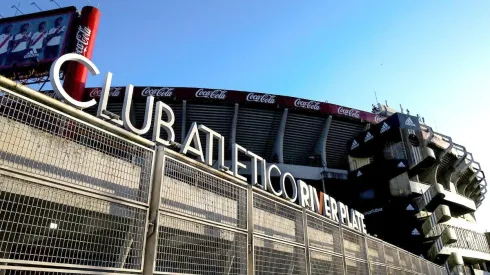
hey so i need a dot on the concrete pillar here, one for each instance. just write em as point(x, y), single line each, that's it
point(278, 145)
point(234, 123)
point(184, 116)
point(320, 148)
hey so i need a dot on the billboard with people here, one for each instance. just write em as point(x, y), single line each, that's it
point(34, 41)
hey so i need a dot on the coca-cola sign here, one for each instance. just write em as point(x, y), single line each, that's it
point(312, 105)
point(158, 92)
point(211, 94)
point(261, 98)
point(378, 118)
point(349, 112)
point(83, 38)
point(113, 92)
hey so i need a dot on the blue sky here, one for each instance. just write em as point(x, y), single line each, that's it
point(433, 57)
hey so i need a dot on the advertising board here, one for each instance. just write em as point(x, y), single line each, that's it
point(30, 43)
point(230, 96)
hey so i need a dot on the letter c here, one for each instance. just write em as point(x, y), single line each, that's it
point(269, 183)
point(54, 73)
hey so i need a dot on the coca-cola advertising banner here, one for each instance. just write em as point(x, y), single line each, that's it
point(228, 96)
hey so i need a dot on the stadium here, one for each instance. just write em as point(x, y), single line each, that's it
point(81, 193)
point(316, 142)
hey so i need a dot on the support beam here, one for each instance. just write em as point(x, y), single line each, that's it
point(234, 123)
point(461, 169)
point(320, 148)
point(278, 146)
point(184, 116)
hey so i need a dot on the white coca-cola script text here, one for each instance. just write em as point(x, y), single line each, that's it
point(158, 92)
point(349, 112)
point(83, 38)
point(262, 98)
point(113, 92)
point(211, 94)
point(312, 105)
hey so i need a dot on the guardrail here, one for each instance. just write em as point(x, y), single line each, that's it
point(77, 196)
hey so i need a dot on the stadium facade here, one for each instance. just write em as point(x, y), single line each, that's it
point(417, 189)
point(214, 181)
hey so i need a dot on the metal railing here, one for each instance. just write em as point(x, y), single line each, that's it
point(80, 196)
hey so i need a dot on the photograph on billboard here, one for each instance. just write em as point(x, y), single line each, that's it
point(30, 43)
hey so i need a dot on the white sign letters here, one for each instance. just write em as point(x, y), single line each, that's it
point(291, 189)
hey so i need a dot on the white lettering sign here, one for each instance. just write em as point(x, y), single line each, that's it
point(268, 99)
point(289, 188)
point(312, 105)
point(378, 118)
point(113, 92)
point(349, 112)
point(211, 94)
point(159, 92)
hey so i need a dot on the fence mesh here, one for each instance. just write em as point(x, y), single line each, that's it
point(193, 248)
point(354, 245)
point(193, 192)
point(356, 267)
point(322, 263)
point(322, 234)
point(273, 257)
point(40, 141)
point(375, 251)
point(45, 224)
point(376, 269)
point(277, 220)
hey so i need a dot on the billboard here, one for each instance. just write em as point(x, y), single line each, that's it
point(30, 43)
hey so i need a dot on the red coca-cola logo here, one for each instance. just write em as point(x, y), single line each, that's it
point(262, 98)
point(211, 94)
point(157, 92)
point(349, 112)
point(113, 92)
point(378, 118)
point(312, 105)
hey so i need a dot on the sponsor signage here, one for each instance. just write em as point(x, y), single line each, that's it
point(290, 189)
point(261, 98)
point(268, 100)
point(76, 74)
point(211, 94)
point(157, 92)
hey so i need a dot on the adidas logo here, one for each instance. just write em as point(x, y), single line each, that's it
point(401, 165)
point(368, 137)
point(359, 174)
point(415, 232)
point(410, 208)
point(354, 145)
point(409, 122)
point(384, 128)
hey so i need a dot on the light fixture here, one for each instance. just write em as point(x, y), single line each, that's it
point(53, 225)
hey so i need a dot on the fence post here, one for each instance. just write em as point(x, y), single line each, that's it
point(250, 227)
point(364, 237)
point(306, 242)
point(341, 230)
point(152, 233)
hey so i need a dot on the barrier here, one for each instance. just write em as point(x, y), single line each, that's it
point(76, 197)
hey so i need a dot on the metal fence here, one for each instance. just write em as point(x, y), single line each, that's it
point(78, 199)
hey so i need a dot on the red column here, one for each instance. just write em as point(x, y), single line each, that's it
point(85, 34)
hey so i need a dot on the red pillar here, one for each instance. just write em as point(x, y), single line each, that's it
point(85, 34)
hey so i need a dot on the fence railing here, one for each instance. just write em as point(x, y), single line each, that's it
point(78, 198)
